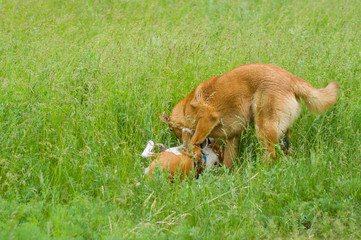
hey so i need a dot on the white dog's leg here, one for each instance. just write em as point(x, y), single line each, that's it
point(146, 171)
point(148, 149)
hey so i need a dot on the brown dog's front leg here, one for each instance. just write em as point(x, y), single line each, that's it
point(230, 151)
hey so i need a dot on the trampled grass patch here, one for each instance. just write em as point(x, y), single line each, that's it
point(82, 82)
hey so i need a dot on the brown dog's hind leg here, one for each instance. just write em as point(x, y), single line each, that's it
point(230, 151)
point(269, 140)
point(268, 134)
point(273, 117)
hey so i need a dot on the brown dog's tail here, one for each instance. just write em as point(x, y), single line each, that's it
point(316, 100)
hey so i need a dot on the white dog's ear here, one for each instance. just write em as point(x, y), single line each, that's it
point(164, 118)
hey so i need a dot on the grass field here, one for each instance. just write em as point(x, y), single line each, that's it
point(82, 82)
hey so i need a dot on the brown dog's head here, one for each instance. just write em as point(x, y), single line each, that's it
point(181, 116)
point(196, 112)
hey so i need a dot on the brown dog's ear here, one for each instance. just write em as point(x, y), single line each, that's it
point(164, 118)
point(198, 98)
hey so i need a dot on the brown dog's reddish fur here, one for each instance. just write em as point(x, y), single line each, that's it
point(223, 106)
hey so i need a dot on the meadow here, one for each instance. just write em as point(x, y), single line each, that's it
point(82, 83)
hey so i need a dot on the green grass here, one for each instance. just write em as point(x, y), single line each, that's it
point(82, 82)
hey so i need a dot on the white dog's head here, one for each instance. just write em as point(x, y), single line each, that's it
point(212, 153)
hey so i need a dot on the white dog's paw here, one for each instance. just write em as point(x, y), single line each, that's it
point(150, 143)
point(148, 149)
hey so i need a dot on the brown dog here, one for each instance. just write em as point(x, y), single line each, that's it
point(178, 159)
point(223, 106)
